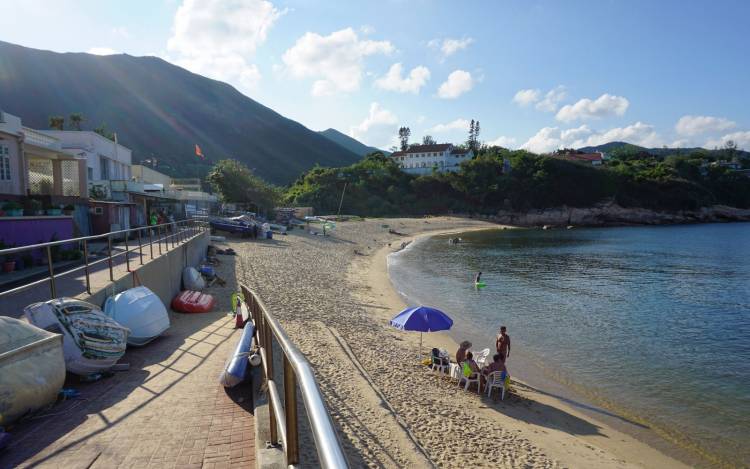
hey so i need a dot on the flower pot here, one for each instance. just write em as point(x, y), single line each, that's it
point(15, 213)
point(54, 211)
point(9, 266)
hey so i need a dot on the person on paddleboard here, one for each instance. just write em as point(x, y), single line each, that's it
point(478, 277)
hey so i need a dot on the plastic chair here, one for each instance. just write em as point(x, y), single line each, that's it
point(455, 371)
point(481, 357)
point(496, 379)
point(440, 363)
point(473, 378)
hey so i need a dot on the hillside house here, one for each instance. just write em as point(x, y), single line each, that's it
point(424, 159)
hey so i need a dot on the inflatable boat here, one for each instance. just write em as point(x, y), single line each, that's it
point(141, 311)
point(92, 342)
point(190, 301)
point(32, 368)
point(235, 369)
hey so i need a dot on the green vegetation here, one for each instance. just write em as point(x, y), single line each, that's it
point(237, 184)
point(376, 186)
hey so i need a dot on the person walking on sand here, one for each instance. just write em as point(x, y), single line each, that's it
point(502, 343)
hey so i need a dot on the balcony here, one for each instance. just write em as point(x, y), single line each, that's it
point(41, 140)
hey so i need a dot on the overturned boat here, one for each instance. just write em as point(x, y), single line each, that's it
point(32, 368)
point(92, 342)
point(141, 311)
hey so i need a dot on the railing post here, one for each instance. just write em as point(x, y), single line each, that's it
point(86, 263)
point(290, 413)
point(52, 288)
point(158, 237)
point(127, 251)
point(151, 241)
point(140, 247)
point(109, 261)
point(268, 346)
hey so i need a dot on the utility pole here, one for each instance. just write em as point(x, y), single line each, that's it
point(342, 200)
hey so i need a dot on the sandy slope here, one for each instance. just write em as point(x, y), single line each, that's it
point(334, 298)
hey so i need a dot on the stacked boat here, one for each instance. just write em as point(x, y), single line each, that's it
point(32, 368)
point(141, 311)
point(92, 342)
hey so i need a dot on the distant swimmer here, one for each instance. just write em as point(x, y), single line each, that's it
point(478, 278)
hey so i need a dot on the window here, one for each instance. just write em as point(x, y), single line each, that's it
point(90, 173)
point(104, 167)
point(4, 163)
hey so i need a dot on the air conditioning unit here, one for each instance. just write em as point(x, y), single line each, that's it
point(96, 210)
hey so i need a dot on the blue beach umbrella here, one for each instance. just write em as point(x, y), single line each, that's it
point(422, 319)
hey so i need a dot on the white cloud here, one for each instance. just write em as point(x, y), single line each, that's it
point(336, 60)
point(551, 99)
point(377, 129)
point(742, 139)
point(697, 125)
point(549, 139)
point(102, 51)
point(503, 141)
point(216, 38)
point(458, 83)
point(366, 29)
point(458, 124)
point(526, 97)
point(546, 103)
point(393, 81)
point(603, 106)
point(450, 46)
point(121, 31)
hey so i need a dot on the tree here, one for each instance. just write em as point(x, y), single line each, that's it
point(403, 135)
point(428, 140)
point(104, 132)
point(730, 149)
point(236, 183)
point(56, 122)
point(75, 120)
point(476, 136)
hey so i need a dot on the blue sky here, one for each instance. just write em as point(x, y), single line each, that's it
point(536, 74)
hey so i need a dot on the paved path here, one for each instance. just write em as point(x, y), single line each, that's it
point(168, 410)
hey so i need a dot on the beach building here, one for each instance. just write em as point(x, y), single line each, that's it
point(594, 159)
point(43, 188)
point(424, 159)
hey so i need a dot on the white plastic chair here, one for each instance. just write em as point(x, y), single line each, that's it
point(441, 363)
point(481, 357)
point(473, 378)
point(496, 379)
point(455, 371)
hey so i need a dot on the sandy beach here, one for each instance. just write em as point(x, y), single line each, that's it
point(334, 298)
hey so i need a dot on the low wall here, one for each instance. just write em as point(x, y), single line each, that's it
point(163, 274)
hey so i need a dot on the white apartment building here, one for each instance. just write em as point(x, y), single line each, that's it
point(105, 159)
point(424, 159)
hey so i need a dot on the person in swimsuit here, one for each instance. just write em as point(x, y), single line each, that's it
point(502, 343)
point(461, 352)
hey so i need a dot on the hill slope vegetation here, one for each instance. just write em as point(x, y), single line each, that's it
point(161, 110)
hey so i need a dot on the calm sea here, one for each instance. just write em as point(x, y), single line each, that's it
point(651, 322)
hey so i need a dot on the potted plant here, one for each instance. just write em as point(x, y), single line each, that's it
point(28, 260)
point(54, 211)
point(35, 207)
point(13, 209)
point(69, 209)
point(9, 263)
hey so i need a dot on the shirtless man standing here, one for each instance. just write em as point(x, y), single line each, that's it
point(502, 343)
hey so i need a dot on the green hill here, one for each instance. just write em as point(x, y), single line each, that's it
point(350, 143)
point(161, 110)
point(662, 151)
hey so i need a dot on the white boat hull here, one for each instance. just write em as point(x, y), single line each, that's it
point(92, 342)
point(141, 311)
point(32, 368)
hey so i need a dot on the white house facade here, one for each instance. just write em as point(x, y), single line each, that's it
point(424, 159)
point(105, 159)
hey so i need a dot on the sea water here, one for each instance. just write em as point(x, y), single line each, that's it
point(650, 322)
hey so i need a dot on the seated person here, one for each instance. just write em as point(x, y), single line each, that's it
point(461, 352)
point(470, 363)
point(437, 359)
point(498, 364)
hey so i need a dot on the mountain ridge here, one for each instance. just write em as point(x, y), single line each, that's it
point(161, 110)
point(350, 143)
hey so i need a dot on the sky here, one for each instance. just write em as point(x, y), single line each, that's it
point(537, 74)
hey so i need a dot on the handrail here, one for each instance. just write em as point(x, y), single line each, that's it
point(174, 232)
point(297, 370)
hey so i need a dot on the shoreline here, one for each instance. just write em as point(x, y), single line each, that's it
point(625, 445)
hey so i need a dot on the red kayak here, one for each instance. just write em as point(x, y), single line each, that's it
point(190, 301)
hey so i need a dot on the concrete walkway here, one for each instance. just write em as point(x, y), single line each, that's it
point(168, 410)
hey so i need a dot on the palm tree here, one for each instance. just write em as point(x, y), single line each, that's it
point(75, 120)
point(56, 122)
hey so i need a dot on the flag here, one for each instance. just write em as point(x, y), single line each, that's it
point(198, 152)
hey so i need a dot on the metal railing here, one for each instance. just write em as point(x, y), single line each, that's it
point(154, 237)
point(297, 371)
